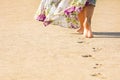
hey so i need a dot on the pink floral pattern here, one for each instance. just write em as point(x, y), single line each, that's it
point(60, 12)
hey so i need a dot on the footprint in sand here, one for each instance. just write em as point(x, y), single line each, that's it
point(98, 75)
point(97, 66)
point(96, 49)
point(80, 42)
point(86, 56)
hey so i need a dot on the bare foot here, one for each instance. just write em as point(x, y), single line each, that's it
point(81, 30)
point(88, 32)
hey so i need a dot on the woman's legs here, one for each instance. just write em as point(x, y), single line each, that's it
point(88, 16)
point(81, 17)
point(85, 20)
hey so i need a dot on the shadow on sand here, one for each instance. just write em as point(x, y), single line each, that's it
point(107, 34)
point(103, 34)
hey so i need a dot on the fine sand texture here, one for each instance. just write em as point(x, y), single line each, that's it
point(30, 51)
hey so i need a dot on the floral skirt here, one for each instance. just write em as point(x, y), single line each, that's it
point(61, 12)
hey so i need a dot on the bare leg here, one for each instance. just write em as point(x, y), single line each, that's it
point(87, 25)
point(81, 17)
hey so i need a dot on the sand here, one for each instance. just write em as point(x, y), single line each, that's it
point(29, 51)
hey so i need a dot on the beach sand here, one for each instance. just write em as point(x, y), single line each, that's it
point(29, 51)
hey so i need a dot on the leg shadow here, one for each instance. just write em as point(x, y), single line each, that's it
point(106, 34)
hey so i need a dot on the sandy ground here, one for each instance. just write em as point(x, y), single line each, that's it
point(29, 51)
